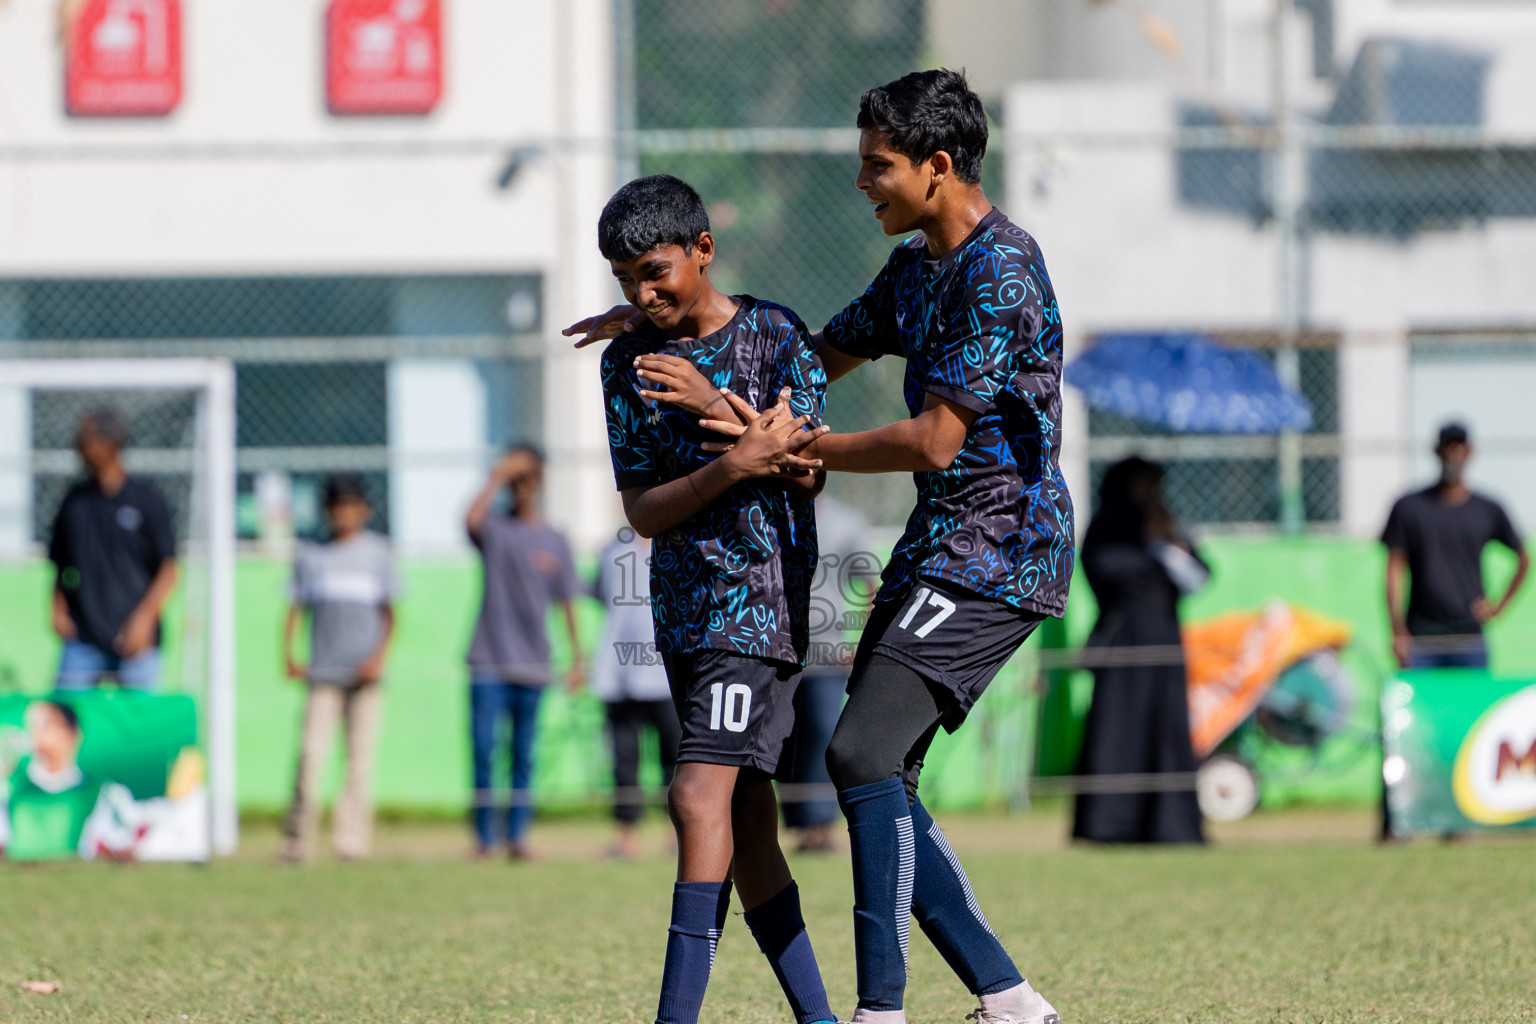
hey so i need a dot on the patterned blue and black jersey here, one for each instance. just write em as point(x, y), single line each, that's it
point(737, 576)
point(980, 328)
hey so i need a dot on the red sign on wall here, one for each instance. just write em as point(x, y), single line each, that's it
point(384, 56)
point(123, 59)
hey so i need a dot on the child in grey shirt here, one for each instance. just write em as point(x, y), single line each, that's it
point(347, 586)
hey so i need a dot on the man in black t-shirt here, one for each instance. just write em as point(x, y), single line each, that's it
point(1437, 536)
point(115, 559)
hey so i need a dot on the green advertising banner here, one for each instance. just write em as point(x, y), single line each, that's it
point(103, 773)
point(1460, 751)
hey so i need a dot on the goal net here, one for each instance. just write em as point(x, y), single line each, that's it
point(181, 420)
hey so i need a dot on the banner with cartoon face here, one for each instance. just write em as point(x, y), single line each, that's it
point(1459, 751)
point(110, 774)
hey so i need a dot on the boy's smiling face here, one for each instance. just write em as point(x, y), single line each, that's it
point(899, 188)
point(665, 283)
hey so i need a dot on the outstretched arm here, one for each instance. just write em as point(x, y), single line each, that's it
point(927, 442)
point(835, 361)
point(619, 320)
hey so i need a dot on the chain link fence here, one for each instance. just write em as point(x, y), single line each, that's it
point(1154, 143)
point(314, 359)
point(1393, 142)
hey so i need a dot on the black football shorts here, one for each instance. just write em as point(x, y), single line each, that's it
point(948, 635)
point(735, 709)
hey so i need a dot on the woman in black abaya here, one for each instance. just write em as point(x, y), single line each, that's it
point(1139, 564)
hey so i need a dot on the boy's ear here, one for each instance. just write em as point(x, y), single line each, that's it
point(942, 163)
point(704, 249)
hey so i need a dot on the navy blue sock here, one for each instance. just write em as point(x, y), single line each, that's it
point(947, 911)
point(880, 838)
point(698, 917)
point(780, 932)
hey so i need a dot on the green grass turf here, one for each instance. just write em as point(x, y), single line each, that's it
point(1292, 917)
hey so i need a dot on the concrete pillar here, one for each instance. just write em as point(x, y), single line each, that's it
point(15, 472)
point(580, 498)
point(436, 440)
point(1373, 424)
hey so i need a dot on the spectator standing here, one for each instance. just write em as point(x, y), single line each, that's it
point(1139, 563)
point(1436, 537)
point(847, 576)
point(114, 555)
point(347, 586)
point(628, 676)
point(527, 567)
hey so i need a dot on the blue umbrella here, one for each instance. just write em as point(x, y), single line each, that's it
point(1188, 384)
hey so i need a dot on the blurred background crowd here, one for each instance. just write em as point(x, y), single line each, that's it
point(1290, 239)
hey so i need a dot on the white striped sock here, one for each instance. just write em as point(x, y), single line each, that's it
point(906, 873)
point(937, 835)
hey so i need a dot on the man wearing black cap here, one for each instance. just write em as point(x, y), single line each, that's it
point(1437, 536)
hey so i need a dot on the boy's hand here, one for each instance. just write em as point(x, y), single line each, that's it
point(605, 326)
point(767, 446)
point(62, 623)
point(685, 387)
point(797, 462)
point(575, 677)
point(511, 466)
point(744, 414)
point(136, 636)
point(371, 671)
point(295, 668)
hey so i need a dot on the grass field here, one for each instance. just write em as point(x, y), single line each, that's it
point(1291, 916)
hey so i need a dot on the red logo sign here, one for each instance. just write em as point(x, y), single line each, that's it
point(124, 59)
point(384, 56)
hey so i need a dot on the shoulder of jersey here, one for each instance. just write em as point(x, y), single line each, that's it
point(775, 313)
point(1011, 242)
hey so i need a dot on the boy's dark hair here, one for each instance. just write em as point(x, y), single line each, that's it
point(67, 713)
point(649, 212)
point(927, 111)
point(108, 424)
point(344, 487)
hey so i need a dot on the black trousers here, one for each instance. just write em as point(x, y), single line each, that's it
point(625, 719)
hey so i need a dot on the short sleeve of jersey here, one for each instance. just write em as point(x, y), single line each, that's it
point(629, 434)
point(1395, 534)
point(298, 583)
point(866, 329)
point(1504, 529)
point(59, 543)
point(796, 366)
point(393, 587)
point(994, 334)
point(566, 585)
point(157, 524)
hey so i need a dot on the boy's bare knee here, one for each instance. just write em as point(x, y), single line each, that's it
point(694, 798)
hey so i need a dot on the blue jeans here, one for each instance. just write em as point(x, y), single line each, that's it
point(818, 702)
point(490, 701)
point(1469, 652)
point(82, 665)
